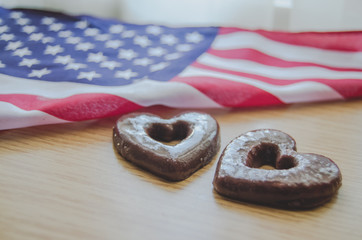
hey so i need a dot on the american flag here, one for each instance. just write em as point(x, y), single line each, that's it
point(57, 68)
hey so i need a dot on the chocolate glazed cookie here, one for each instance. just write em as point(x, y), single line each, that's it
point(144, 139)
point(299, 180)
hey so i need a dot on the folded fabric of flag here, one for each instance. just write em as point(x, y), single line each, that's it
point(58, 68)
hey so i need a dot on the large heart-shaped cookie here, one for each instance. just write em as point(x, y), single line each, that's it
point(142, 139)
point(297, 181)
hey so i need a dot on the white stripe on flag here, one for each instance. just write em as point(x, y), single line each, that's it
point(14, 117)
point(144, 93)
point(280, 73)
point(306, 91)
point(286, 51)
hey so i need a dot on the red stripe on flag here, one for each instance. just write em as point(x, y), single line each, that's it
point(74, 108)
point(348, 88)
point(229, 93)
point(262, 58)
point(341, 41)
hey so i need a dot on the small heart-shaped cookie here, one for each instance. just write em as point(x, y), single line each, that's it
point(142, 139)
point(299, 180)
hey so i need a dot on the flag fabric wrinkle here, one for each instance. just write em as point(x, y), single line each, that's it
point(56, 68)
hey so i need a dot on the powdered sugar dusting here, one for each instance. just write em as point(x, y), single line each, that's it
point(309, 169)
point(203, 126)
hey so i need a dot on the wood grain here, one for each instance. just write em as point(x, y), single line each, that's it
point(67, 182)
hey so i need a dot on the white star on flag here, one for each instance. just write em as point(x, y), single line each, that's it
point(47, 40)
point(84, 46)
point(39, 73)
point(168, 39)
point(21, 52)
point(96, 57)
point(110, 64)
point(116, 28)
point(155, 30)
point(91, 32)
point(156, 52)
point(29, 62)
point(36, 36)
point(2, 65)
point(194, 37)
point(29, 29)
point(16, 15)
point(53, 50)
point(127, 54)
point(3, 29)
point(102, 37)
point(127, 74)
point(65, 34)
point(158, 67)
point(73, 40)
point(13, 45)
point(55, 27)
point(81, 24)
point(142, 61)
point(88, 75)
point(22, 21)
point(64, 59)
point(128, 34)
point(75, 66)
point(142, 41)
point(113, 44)
point(47, 20)
point(7, 37)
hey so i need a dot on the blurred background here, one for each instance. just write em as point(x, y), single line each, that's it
point(284, 15)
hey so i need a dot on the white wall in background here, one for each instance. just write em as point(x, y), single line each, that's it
point(290, 15)
point(103, 8)
point(250, 13)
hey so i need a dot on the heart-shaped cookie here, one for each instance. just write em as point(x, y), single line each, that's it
point(299, 180)
point(142, 139)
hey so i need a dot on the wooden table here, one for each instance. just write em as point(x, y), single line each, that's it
point(67, 182)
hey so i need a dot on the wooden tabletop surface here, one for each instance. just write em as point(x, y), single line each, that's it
point(67, 182)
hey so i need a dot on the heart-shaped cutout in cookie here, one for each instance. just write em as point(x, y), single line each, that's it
point(143, 138)
point(296, 180)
